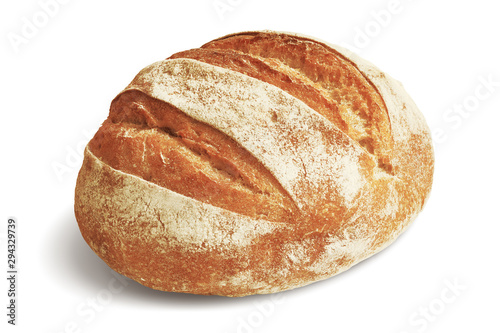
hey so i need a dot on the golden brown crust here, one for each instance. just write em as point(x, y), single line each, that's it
point(280, 76)
point(360, 109)
point(261, 162)
point(155, 141)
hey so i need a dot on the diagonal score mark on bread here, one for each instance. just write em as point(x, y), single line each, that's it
point(154, 140)
point(187, 221)
point(323, 78)
point(275, 127)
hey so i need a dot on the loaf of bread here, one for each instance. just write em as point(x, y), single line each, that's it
point(260, 162)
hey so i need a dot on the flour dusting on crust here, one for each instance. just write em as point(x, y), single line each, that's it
point(194, 225)
point(171, 242)
point(303, 150)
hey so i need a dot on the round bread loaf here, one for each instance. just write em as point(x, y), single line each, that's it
point(260, 162)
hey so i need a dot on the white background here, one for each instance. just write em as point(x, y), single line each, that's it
point(56, 86)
